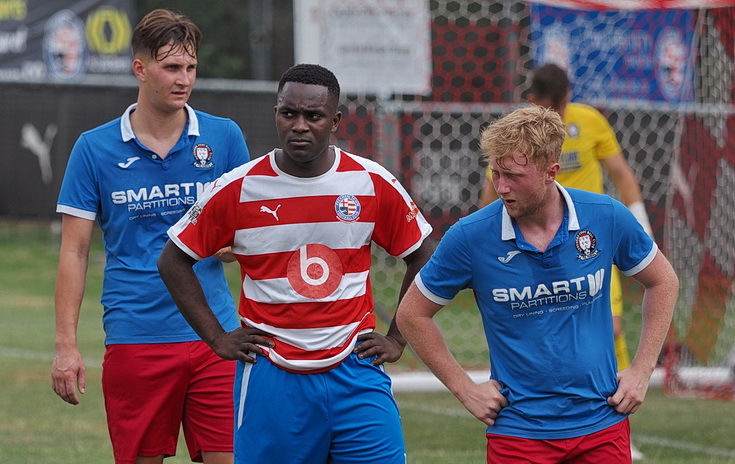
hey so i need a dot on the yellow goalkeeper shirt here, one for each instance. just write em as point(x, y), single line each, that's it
point(589, 140)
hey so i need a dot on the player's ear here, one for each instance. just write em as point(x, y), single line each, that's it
point(138, 68)
point(335, 121)
point(552, 171)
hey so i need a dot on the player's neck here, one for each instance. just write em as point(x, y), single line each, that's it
point(158, 130)
point(540, 228)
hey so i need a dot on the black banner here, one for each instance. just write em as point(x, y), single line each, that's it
point(43, 121)
point(64, 40)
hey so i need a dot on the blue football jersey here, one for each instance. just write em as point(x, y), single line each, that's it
point(546, 315)
point(135, 196)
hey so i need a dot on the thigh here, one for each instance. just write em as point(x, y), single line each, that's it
point(144, 388)
point(366, 423)
point(611, 445)
point(503, 449)
point(208, 420)
point(280, 416)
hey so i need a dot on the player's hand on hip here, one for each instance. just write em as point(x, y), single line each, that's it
point(68, 374)
point(241, 343)
point(383, 347)
point(632, 389)
point(484, 401)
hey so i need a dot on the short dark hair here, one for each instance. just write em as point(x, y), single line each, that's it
point(161, 27)
point(311, 74)
point(552, 82)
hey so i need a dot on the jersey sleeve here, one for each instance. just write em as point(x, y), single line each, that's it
point(79, 195)
point(449, 269)
point(400, 228)
point(210, 224)
point(635, 249)
point(239, 153)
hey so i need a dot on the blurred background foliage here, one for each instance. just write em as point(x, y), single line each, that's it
point(243, 39)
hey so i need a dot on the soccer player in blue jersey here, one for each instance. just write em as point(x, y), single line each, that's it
point(539, 263)
point(136, 176)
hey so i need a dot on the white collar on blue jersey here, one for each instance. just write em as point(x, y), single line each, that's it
point(127, 130)
point(509, 233)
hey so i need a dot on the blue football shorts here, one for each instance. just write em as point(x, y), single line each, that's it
point(346, 415)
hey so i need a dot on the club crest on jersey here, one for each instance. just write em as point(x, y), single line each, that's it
point(573, 130)
point(202, 155)
point(347, 207)
point(586, 244)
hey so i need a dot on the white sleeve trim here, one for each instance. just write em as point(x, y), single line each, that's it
point(76, 212)
point(183, 247)
point(643, 264)
point(428, 294)
point(424, 234)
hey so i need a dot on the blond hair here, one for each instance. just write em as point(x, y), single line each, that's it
point(533, 131)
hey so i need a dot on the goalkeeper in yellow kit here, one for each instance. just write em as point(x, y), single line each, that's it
point(590, 146)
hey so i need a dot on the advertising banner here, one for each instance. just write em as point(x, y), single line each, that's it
point(376, 47)
point(637, 4)
point(64, 40)
point(643, 55)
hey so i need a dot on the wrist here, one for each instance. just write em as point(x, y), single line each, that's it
point(639, 211)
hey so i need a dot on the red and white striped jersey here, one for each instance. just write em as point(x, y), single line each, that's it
point(303, 245)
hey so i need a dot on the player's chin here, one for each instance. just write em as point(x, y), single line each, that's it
point(510, 205)
point(179, 99)
point(300, 146)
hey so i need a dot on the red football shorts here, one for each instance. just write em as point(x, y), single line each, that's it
point(152, 390)
point(610, 445)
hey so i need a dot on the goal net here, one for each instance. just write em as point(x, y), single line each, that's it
point(671, 106)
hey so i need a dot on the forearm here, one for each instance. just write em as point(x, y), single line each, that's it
point(71, 278)
point(414, 262)
point(657, 311)
point(659, 299)
point(630, 192)
point(68, 296)
point(624, 179)
point(427, 342)
point(195, 309)
point(176, 269)
point(396, 334)
point(177, 272)
point(415, 318)
point(630, 195)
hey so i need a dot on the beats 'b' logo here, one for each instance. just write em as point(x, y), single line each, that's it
point(315, 271)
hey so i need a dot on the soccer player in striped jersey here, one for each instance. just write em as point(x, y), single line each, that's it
point(301, 221)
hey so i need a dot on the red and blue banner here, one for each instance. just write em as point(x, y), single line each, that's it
point(643, 55)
